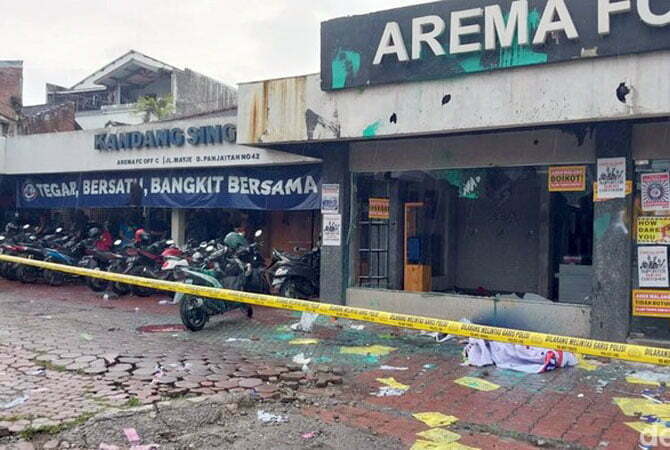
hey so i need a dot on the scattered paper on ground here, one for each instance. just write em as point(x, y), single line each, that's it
point(477, 383)
point(649, 377)
point(589, 365)
point(641, 406)
point(428, 445)
point(393, 368)
point(636, 380)
point(435, 419)
point(439, 435)
point(657, 430)
point(376, 350)
point(393, 384)
point(304, 342)
point(386, 391)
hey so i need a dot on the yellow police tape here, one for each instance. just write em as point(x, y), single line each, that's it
point(613, 350)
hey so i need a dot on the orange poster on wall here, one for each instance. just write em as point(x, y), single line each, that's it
point(567, 179)
point(648, 303)
point(380, 209)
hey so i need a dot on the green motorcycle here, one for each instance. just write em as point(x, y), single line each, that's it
point(221, 270)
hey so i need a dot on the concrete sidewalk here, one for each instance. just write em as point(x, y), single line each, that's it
point(70, 347)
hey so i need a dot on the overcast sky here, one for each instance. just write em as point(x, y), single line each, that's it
point(63, 41)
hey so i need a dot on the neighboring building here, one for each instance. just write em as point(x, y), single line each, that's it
point(109, 96)
point(11, 94)
point(40, 119)
point(466, 165)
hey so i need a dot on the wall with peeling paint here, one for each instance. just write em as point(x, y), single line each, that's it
point(507, 149)
point(279, 111)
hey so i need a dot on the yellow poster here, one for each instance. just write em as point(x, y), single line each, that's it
point(567, 179)
point(649, 303)
point(653, 230)
point(380, 209)
point(596, 198)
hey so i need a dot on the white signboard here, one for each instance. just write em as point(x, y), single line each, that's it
point(330, 199)
point(193, 143)
point(611, 178)
point(653, 267)
point(332, 230)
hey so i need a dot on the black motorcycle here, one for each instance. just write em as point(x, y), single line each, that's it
point(297, 276)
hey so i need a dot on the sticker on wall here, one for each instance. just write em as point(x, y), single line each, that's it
point(597, 198)
point(653, 267)
point(332, 230)
point(330, 199)
point(656, 192)
point(648, 303)
point(380, 209)
point(612, 178)
point(653, 230)
point(567, 179)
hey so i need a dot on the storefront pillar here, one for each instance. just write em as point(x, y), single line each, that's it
point(335, 259)
point(613, 245)
point(178, 226)
point(396, 232)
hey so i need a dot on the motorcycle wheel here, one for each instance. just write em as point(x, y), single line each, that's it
point(11, 272)
point(289, 290)
point(96, 284)
point(54, 278)
point(193, 316)
point(27, 274)
point(141, 291)
point(119, 289)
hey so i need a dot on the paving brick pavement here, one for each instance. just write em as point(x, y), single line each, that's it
point(66, 354)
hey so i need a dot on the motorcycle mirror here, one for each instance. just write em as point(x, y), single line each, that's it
point(258, 234)
point(26, 227)
point(59, 230)
point(118, 242)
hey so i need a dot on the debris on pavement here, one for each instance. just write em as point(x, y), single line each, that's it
point(394, 369)
point(590, 365)
point(86, 336)
point(306, 323)
point(521, 358)
point(439, 435)
point(304, 342)
point(311, 435)
point(477, 383)
point(391, 388)
point(393, 383)
point(231, 340)
point(648, 377)
point(435, 419)
point(132, 435)
point(303, 361)
point(269, 418)
point(104, 446)
point(14, 403)
point(374, 350)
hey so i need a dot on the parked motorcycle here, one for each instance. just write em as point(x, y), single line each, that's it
point(223, 268)
point(297, 276)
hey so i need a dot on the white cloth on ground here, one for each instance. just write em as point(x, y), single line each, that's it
point(522, 358)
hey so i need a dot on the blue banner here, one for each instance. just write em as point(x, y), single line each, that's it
point(288, 188)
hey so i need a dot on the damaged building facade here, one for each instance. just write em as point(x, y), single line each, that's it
point(505, 162)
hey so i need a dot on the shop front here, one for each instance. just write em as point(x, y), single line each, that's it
point(492, 172)
point(185, 179)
